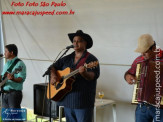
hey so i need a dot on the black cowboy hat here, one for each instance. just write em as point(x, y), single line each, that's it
point(85, 36)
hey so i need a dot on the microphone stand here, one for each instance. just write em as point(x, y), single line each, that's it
point(48, 73)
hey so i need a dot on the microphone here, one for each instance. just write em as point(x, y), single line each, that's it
point(48, 70)
point(71, 46)
point(1, 55)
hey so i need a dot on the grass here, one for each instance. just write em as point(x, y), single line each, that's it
point(30, 115)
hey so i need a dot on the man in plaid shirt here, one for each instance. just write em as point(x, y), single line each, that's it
point(146, 112)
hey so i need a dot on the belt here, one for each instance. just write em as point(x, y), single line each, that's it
point(146, 104)
point(11, 90)
point(149, 105)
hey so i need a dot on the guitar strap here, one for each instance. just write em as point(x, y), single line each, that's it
point(82, 61)
point(12, 66)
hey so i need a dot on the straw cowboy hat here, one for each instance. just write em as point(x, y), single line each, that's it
point(85, 36)
point(145, 41)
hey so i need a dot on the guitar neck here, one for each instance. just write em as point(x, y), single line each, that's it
point(71, 74)
point(90, 65)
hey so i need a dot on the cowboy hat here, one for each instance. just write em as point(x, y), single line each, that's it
point(145, 41)
point(85, 36)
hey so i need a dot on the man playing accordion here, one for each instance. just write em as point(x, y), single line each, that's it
point(149, 80)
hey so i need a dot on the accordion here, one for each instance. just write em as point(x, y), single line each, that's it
point(148, 84)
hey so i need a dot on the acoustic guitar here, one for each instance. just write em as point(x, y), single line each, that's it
point(65, 81)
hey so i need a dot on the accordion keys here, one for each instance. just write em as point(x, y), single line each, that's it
point(136, 86)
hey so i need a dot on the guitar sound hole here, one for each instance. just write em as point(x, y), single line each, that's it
point(61, 80)
point(59, 84)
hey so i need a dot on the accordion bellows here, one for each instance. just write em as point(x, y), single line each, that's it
point(149, 81)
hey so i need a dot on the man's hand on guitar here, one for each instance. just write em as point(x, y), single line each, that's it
point(82, 69)
point(130, 79)
point(53, 78)
point(10, 76)
point(85, 74)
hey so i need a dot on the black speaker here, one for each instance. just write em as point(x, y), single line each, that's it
point(41, 103)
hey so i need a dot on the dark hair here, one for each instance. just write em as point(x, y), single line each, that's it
point(12, 48)
point(152, 46)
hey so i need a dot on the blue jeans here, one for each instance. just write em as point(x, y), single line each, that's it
point(148, 113)
point(12, 100)
point(78, 115)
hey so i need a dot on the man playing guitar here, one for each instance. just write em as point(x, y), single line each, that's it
point(12, 89)
point(79, 102)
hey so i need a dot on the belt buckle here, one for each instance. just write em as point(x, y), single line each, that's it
point(140, 104)
point(147, 105)
point(5, 93)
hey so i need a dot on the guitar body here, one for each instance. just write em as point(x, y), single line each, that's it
point(62, 87)
point(3, 81)
point(64, 82)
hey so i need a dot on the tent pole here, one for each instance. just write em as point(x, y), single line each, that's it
point(2, 42)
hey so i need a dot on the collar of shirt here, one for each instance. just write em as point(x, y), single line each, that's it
point(7, 65)
point(84, 53)
point(11, 61)
point(159, 54)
